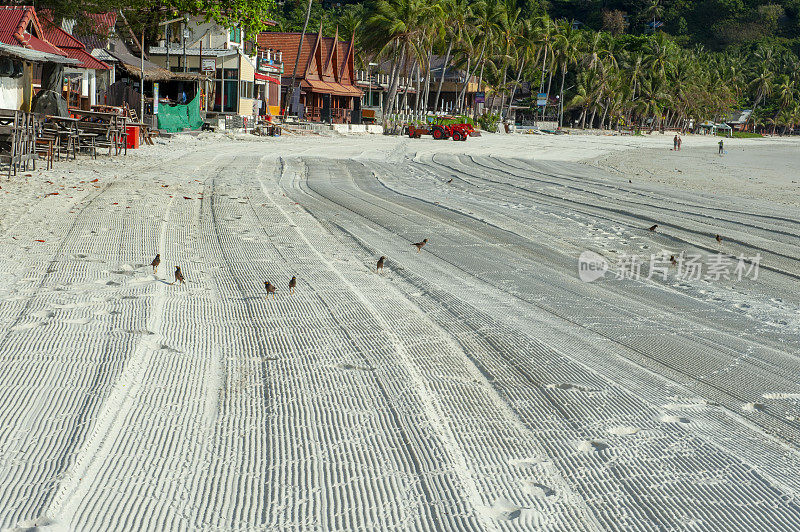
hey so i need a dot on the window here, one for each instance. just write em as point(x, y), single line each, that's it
point(246, 89)
point(236, 35)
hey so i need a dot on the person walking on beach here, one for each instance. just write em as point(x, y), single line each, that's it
point(675, 143)
point(721, 146)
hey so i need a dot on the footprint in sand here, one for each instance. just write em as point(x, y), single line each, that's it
point(778, 395)
point(753, 407)
point(27, 326)
point(78, 321)
point(538, 489)
point(527, 462)
point(624, 430)
point(503, 510)
point(667, 418)
point(569, 386)
point(592, 446)
point(43, 314)
point(361, 368)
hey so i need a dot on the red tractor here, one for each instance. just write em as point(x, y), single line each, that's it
point(442, 132)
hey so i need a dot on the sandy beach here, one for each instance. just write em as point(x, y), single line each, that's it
point(480, 384)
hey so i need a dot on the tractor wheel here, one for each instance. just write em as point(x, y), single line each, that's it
point(457, 136)
point(438, 133)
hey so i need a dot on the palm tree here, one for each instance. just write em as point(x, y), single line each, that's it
point(486, 19)
point(455, 30)
point(398, 27)
point(566, 45)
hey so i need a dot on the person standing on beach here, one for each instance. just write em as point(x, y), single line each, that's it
point(675, 143)
point(721, 145)
point(680, 140)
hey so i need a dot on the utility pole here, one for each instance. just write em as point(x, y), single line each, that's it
point(166, 40)
point(297, 58)
point(185, 37)
point(141, 87)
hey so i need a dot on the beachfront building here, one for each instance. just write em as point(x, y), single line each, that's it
point(80, 89)
point(96, 38)
point(374, 83)
point(453, 86)
point(159, 86)
point(269, 70)
point(325, 75)
point(226, 55)
point(26, 56)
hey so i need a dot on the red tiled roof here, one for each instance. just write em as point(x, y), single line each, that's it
point(287, 43)
point(71, 46)
point(102, 26)
point(15, 21)
point(330, 74)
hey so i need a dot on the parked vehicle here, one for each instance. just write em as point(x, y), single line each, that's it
point(458, 132)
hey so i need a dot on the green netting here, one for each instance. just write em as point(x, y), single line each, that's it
point(174, 118)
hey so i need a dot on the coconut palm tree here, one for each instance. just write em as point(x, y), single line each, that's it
point(566, 46)
point(398, 28)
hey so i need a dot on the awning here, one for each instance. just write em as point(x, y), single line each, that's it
point(330, 87)
point(86, 59)
point(264, 77)
point(28, 54)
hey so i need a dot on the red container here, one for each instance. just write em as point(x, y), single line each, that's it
point(133, 137)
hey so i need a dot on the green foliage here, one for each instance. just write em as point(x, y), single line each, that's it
point(744, 135)
point(489, 121)
point(252, 15)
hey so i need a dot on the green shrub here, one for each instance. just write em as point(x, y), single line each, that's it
point(489, 121)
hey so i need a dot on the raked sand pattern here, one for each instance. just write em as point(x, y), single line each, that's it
point(477, 385)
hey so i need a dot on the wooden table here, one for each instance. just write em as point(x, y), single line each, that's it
point(67, 129)
point(110, 126)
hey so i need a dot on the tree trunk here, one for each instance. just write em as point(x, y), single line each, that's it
point(583, 117)
point(561, 95)
point(591, 120)
point(295, 87)
point(480, 89)
point(427, 90)
point(541, 85)
point(441, 79)
point(470, 76)
point(514, 88)
point(395, 80)
point(463, 95)
point(419, 89)
point(605, 112)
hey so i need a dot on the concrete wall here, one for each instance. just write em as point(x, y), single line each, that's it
point(11, 93)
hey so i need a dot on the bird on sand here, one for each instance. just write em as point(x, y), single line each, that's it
point(179, 276)
point(270, 289)
point(156, 262)
point(420, 245)
point(653, 227)
point(379, 268)
point(292, 284)
point(629, 181)
point(719, 239)
point(672, 260)
point(450, 181)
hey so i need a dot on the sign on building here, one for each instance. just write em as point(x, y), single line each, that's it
point(541, 99)
point(209, 64)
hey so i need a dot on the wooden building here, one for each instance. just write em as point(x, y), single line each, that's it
point(325, 74)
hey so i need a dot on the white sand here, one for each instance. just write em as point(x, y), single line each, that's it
point(478, 384)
